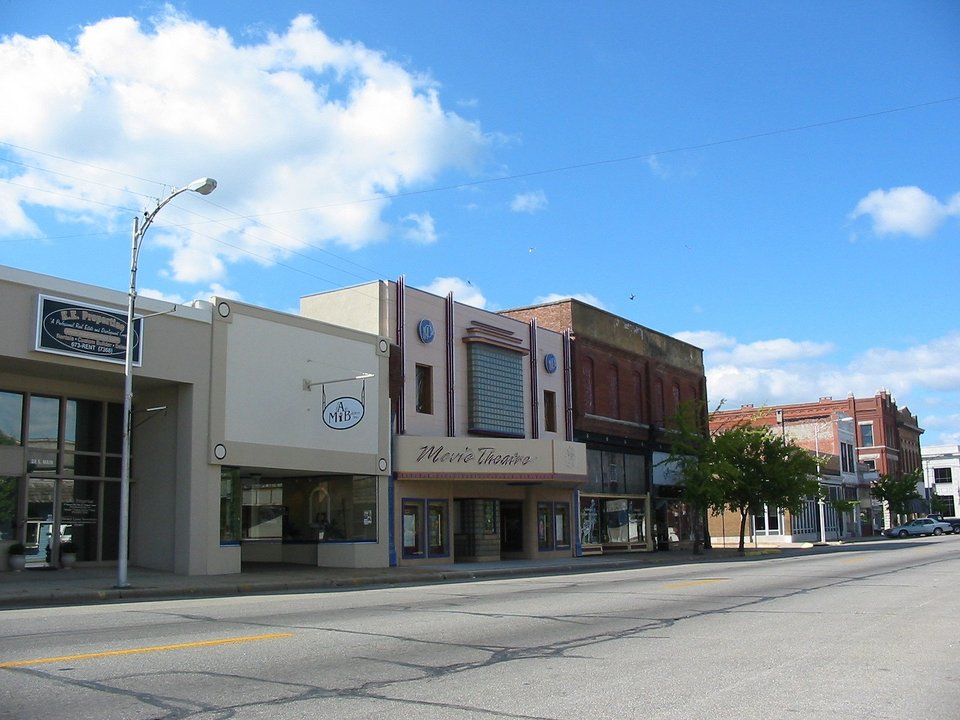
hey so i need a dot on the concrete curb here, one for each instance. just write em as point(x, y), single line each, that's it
point(84, 588)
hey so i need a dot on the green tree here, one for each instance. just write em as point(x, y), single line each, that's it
point(691, 456)
point(743, 469)
point(897, 491)
point(844, 509)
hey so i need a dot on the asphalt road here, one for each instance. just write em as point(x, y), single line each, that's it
point(863, 631)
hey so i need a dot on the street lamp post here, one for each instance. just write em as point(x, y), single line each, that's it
point(204, 186)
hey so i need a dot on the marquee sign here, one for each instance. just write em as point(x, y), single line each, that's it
point(67, 327)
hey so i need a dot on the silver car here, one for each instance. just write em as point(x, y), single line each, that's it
point(920, 526)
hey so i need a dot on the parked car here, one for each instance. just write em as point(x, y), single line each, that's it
point(920, 526)
point(955, 522)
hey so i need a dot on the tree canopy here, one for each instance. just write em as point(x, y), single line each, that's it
point(743, 469)
point(898, 491)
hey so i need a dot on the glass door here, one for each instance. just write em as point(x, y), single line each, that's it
point(40, 528)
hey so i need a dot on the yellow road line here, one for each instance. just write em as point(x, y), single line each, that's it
point(690, 583)
point(134, 651)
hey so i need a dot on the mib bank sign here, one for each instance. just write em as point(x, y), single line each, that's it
point(344, 412)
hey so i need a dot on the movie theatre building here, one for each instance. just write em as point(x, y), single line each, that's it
point(484, 467)
point(256, 435)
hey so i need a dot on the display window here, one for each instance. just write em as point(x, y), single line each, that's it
point(613, 521)
point(310, 509)
point(553, 525)
point(426, 528)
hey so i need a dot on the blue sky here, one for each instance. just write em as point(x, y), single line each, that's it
point(775, 182)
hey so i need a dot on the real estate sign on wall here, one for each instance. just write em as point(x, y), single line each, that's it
point(68, 327)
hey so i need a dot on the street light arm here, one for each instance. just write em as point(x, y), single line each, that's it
point(204, 186)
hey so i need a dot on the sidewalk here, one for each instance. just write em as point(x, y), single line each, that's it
point(91, 585)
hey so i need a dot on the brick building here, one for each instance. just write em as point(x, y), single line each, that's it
point(628, 381)
point(859, 438)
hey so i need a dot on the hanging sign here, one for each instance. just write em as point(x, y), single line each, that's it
point(67, 327)
point(345, 412)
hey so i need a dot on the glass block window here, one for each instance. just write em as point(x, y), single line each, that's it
point(495, 377)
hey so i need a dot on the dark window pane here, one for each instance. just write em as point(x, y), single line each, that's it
point(44, 422)
point(11, 418)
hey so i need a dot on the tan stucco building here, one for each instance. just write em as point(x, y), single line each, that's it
point(257, 435)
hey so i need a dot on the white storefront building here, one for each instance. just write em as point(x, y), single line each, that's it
point(257, 435)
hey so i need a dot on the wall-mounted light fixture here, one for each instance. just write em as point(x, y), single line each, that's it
point(308, 385)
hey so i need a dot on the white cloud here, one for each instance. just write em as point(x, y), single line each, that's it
point(725, 349)
point(582, 297)
point(529, 202)
point(306, 136)
point(707, 339)
point(462, 291)
point(215, 289)
point(906, 210)
point(421, 228)
point(786, 371)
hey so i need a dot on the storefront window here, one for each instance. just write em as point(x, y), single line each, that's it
point(413, 529)
point(230, 495)
point(426, 540)
point(44, 428)
point(561, 525)
point(80, 515)
point(616, 472)
point(490, 517)
point(341, 508)
point(553, 525)
point(589, 522)
point(543, 526)
point(11, 418)
point(8, 508)
point(612, 520)
point(438, 514)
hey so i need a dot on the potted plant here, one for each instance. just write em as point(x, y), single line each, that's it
point(17, 556)
point(68, 554)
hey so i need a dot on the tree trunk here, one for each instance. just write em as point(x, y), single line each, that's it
point(743, 527)
point(697, 530)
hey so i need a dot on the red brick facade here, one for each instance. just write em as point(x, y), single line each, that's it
point(628, 380)
point(888, 438)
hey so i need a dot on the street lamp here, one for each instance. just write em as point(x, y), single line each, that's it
point(204, 186)
point(821, 501)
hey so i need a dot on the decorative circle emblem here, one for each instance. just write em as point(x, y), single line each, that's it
point(425, 331)
point(550, 362)
point(384, 345)
point(382, 464)
point(223, 309)
point(220, 452)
